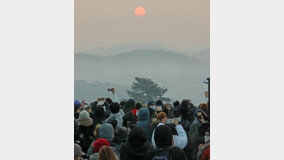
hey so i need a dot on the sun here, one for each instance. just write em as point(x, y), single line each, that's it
point(140, 11)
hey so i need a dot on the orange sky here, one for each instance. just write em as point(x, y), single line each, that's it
point(180, 24)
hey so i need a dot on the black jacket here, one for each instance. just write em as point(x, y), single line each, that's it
point(128, 152)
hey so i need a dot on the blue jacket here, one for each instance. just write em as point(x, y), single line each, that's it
point(143, 122)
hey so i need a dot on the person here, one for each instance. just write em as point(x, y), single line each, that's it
point(204, 149)
point(143, 122)
point(97, 146)
point(86, 126)
point(107, 153)
point(129, 116)
point(197, 138)
point(115, 113)
point(169, 109)
point(164, 148)
point(120, 135)
point(152, 108)
point(136, 147)
point(180, 140)
point(136, 110)
point(78, 154)
point(105, 131)
point(99, 115)
point(77, 109)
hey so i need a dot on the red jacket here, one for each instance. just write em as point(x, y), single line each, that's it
point(206, 154)
point(135, 112)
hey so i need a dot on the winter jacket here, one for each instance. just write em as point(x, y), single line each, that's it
point(206, 154)
point(118, 117)
point(135, 113)
point(128, 152)
point(143, 122)
point(180, 140)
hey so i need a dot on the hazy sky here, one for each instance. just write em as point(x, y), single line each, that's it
point(179, 24)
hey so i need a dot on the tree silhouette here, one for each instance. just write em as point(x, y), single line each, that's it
point(144, 89)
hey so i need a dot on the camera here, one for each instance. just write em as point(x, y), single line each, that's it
point(110, 89)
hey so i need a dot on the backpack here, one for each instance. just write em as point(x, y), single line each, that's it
point(162, 154)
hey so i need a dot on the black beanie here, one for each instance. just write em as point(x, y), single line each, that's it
point(163, 136)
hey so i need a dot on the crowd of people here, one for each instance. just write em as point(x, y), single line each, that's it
point(107, 129)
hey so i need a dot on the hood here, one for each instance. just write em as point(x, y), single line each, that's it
point(85, 122)
point(143, 114)
point(116, 115)
point(137, 152)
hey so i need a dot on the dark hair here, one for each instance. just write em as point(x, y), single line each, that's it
point(129, 116)
point(159, 103)
point(163, 136)
point(99, 111)
point(138, 105)
point(176, 103)
point(114, 107)
point(184, 103)
point(178, 154)
point(122, 103)
point(108, 100)
point(177, 113)
point(203, 128)
point(137, 137)
point(130, 104)
point(173, 128)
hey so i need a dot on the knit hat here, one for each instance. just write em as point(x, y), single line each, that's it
point(77, 104)
point(99, 143)
point(143, 114)
point(78, 151)
point(106, 131)
point(163, 136)
point(84, 115)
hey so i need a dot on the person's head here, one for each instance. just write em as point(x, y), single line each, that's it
point(96, 131)
point(176, 103)
point(112, 121)
point(137, 137)
point(204, 107)
point(100, 143)
point(77, 105)
point(78, 152)
point(129, 116)
point(177, 115)
point(122, 103)
point(184, 104)
point(163, 136)
point(151, 102)
point(168, 106)
point(143, 114)
point(159, 103)
point(106, 153)
point(108, 100)
point(202, 129)
point(177, 154)
point(138, 105)
point(106, 131)
point(130, 103)
point(84, 115)
point(114, 107)
point(99, 111)
point(162, 117)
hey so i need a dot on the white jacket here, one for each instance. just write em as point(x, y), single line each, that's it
point(180, 140)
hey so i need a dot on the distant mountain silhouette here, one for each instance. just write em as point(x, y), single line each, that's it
point(182, 75)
